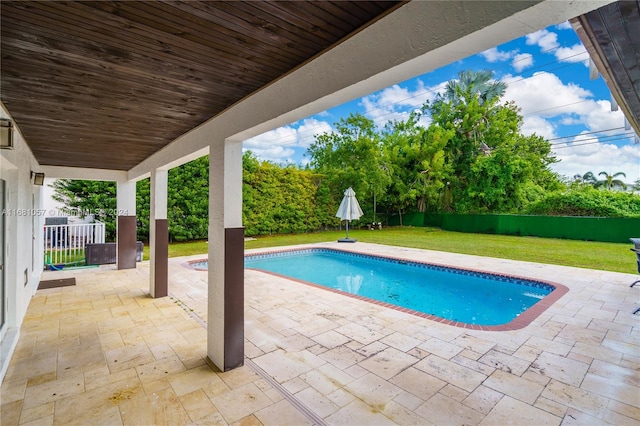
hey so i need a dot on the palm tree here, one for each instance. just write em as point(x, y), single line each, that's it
point(477, 82)
point(610, 182)
point(587, 178)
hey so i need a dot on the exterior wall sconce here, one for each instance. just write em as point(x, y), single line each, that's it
point(38, 178)
point(6, 134)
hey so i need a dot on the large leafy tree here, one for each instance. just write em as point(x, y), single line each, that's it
point(415, 157)
point(473, 156)
point(351, 156)
point(514, 175)
point(493, 166)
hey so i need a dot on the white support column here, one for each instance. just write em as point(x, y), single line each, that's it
point(126, 198)
point(126, 224)
point(158, 234)
point(225, 325)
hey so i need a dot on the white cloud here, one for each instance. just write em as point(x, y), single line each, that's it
point(599, 116)
point(495, 55)
point(587, 154)
point(564, 26)
point(522, 61)
point(425, 121)
point(402, 97)
point(546, 101)
point(545, 39)
point(396, 102)
point(539, 126)
point(544, 94)
point(309, 128)
point(570, 121)
point(286, 135)
point(279, 145)
point(275, 153)
point(575, 53)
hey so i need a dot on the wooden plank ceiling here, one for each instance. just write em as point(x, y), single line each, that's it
point(105, 84)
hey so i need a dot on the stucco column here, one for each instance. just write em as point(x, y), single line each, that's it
point(225, 317)
point(126, 224)
point(158, 235)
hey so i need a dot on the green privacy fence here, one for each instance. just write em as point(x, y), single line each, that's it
point(607, 229)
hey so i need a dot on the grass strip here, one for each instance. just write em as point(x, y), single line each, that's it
point(614, 257)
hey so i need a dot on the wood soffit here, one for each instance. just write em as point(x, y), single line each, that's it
point(611, 34)
point(105, 84)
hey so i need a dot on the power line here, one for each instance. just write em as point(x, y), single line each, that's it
point(586, 133)
point(590, 143)
point(557, 107)
point(603, 139)
point(552, 69)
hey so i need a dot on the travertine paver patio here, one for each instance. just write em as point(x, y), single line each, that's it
point(103, 352)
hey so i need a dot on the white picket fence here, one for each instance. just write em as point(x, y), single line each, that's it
point(64, 244)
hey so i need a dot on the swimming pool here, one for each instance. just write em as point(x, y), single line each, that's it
point(438, 292)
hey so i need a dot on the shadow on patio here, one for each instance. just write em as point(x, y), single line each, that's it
point(104, 352)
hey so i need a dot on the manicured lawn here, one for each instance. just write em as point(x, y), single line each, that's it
point(585, 254)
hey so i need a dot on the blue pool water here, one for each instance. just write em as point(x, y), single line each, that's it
point(454, 294)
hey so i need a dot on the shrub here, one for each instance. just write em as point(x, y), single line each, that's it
point(587, 201)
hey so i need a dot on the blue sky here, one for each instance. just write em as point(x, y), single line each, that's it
point(547, 75)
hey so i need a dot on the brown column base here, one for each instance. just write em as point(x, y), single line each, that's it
point(161, 281)
point(234, 298)
point(126, 242)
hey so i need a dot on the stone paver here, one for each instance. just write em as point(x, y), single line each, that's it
point(104, 352)
point(508, 409)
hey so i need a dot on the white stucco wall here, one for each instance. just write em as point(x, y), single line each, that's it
point(24, 221)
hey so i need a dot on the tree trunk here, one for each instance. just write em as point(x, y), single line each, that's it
point(374, 207)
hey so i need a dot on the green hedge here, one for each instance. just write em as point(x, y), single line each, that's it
point(606, 229)
point(587, 201)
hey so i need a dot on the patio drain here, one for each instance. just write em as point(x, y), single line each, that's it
point(306, 411)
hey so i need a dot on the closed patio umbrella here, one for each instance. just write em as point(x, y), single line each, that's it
point(349, 210)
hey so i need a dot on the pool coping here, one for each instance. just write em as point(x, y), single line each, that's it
point(521, 321)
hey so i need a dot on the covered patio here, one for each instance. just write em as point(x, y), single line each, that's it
point(124, 91)
point(104, 352)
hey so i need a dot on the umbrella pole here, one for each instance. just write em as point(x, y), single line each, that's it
point(347, 224)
